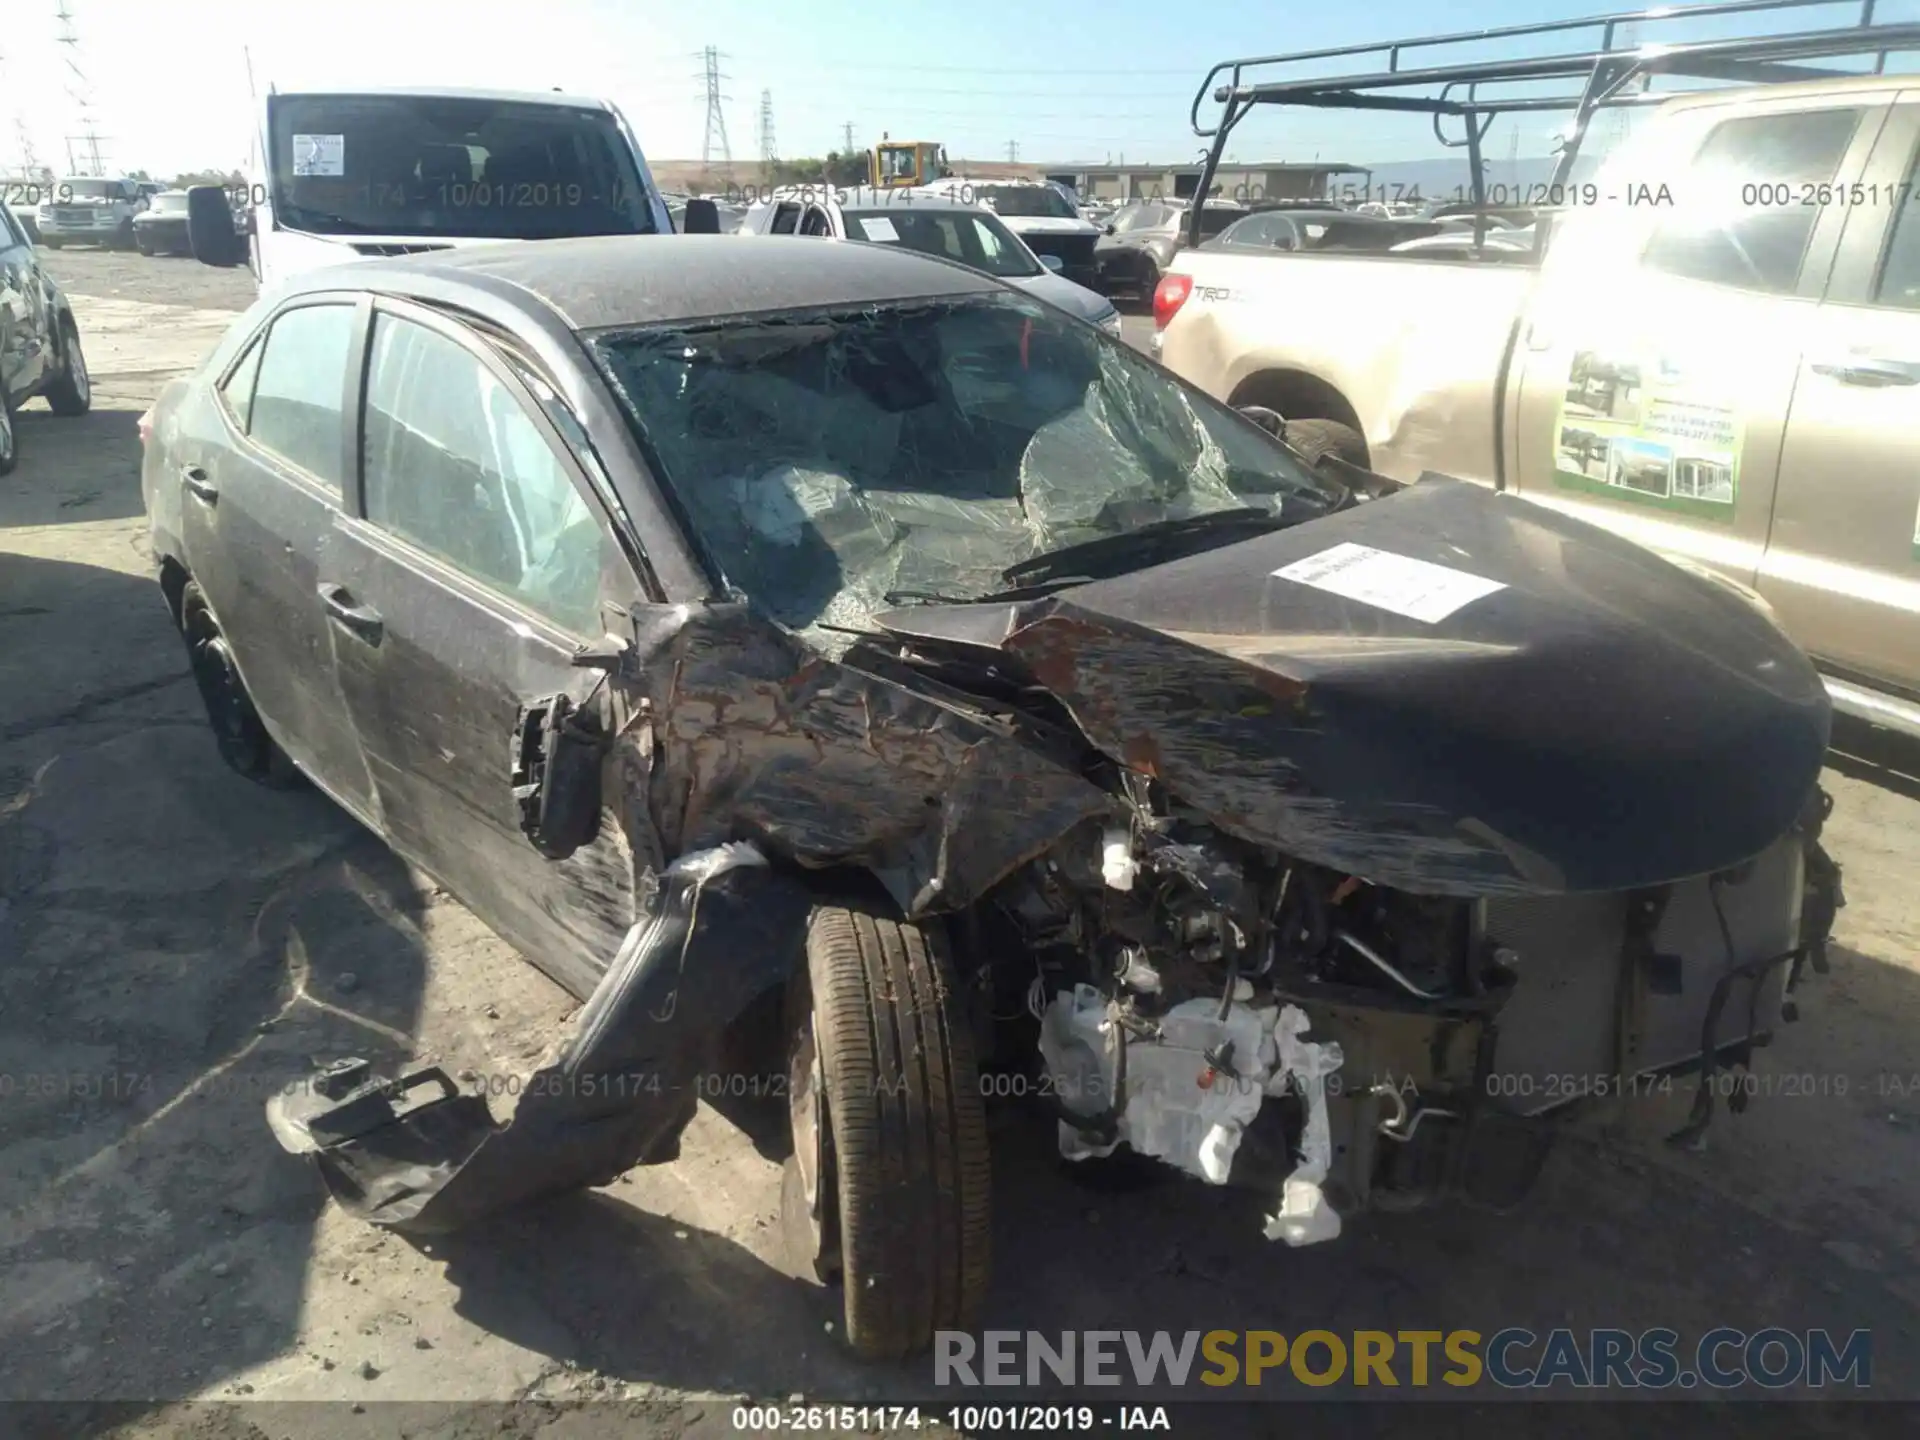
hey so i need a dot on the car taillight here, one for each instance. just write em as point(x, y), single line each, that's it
point(1168, 296)
point(146, 427)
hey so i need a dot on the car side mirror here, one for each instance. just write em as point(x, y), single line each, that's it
point(211, 231)
point(702, 218)
point(1053, 263)
point(1108, 230)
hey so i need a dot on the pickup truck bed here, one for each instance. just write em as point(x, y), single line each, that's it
point(1404, 348)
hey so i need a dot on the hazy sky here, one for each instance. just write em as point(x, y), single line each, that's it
point(1065, 81)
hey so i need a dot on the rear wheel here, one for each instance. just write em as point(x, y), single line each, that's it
point(1312, 440)
point(237, 727)
point(888, 1185)
point(72, 393)
point(9, 438)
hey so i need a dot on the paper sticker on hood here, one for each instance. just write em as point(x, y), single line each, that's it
point(1417, 589)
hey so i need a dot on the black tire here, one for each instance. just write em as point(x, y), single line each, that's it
point(142, 246)
point(49, 244)
point(1313, 439)
point(9, 435)
point(72, 393)
point(123, 238)
point(881, 1053)
point(237, 728)
point(1149, 280)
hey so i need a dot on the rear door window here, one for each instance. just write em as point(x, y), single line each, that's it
point(786, 219)
point(297, 410)
point(1740, 219)
point(237, 389)
point(1898, 287)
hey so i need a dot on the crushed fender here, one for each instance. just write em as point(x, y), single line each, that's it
point(419, 1154)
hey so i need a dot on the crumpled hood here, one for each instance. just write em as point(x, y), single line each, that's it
point(1554, 710)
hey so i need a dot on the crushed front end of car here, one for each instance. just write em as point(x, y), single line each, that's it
point(1327, 840)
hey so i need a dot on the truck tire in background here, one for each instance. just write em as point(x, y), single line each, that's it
point(1313, 439)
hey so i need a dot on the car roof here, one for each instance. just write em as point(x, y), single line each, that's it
point(611, 281)
point(429, 92)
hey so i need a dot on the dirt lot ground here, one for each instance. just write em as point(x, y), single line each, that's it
point(175, 943)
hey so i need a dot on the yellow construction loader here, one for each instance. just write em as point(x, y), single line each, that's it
point(897, 164)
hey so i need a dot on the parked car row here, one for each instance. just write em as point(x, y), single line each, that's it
point(40, 350)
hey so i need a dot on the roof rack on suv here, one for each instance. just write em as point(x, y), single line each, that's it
point(1607, 74)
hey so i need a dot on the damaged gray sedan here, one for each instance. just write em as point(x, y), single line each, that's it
point(839, 636)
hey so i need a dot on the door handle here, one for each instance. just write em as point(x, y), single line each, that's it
point(362, 621)
point(1872, 373)
point(200, 483)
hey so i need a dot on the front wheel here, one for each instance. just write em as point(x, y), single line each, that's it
point(72, 393)
point(123, 238)
point(888, 1185)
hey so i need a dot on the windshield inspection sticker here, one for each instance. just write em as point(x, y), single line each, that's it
point(878, 227)
point(319, 155)
point(1417, 589)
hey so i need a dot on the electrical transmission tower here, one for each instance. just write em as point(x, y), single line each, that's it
point(716, 117)
point(88, 160)
point(1013, 152)
point(846, 138)
point(769, 152)
point(1618, 120)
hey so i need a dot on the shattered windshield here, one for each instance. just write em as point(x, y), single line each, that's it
point(827, 460)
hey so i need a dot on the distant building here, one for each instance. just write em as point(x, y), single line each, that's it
point(1270, 181)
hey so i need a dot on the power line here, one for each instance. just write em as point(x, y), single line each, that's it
point(1020, 93)
point(1054, 71)
point(716, 135)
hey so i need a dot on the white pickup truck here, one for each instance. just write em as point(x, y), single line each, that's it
point(1717, 355)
